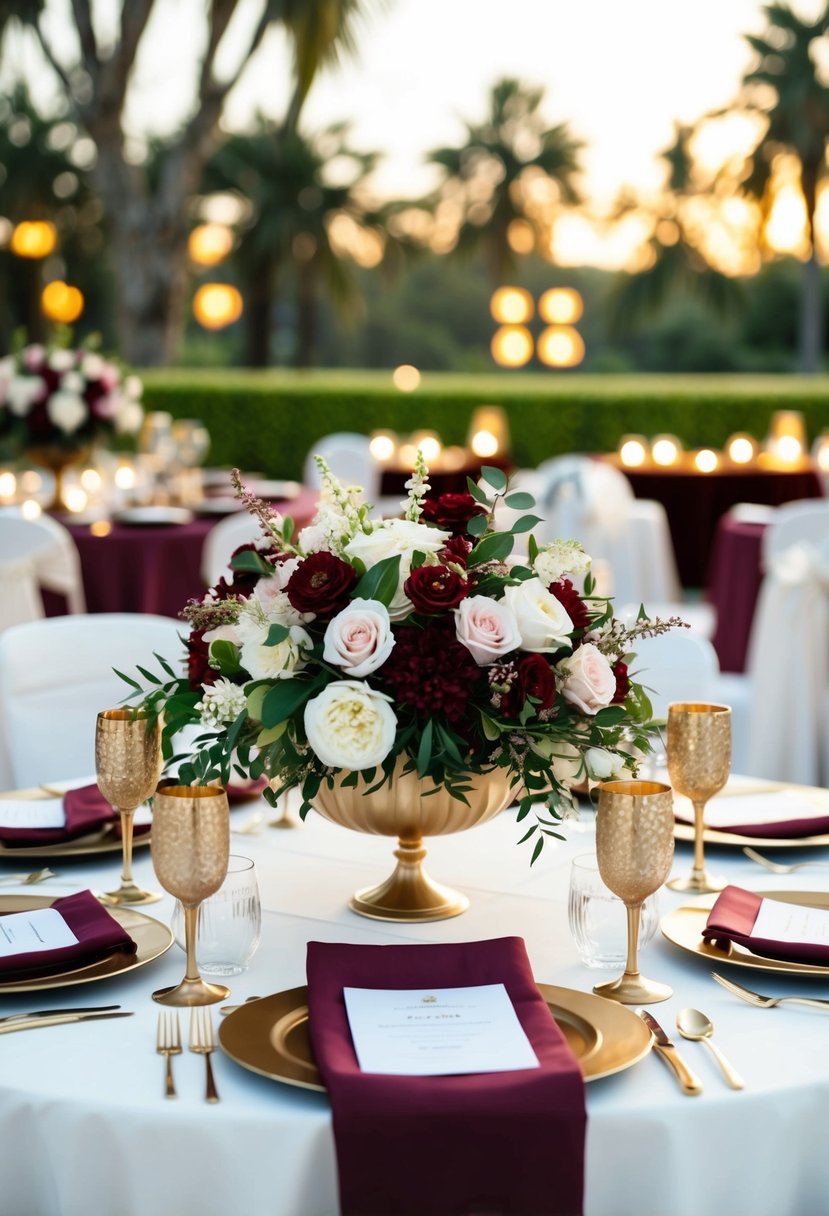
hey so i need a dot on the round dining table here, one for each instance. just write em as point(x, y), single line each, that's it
point(85, 1126)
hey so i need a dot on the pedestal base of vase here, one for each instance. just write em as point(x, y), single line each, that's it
point(634, 990)
point(698, 883)
point(129, 895)
point(191, 992)
point(408, 894)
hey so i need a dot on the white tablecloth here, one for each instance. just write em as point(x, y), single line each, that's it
point(85, 1129)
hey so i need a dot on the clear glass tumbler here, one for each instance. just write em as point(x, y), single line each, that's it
point(597, 917)
point(229, 922)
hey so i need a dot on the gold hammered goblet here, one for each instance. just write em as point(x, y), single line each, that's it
point(635, 847)
point(191, 842)
point(699, 761)
point(127, 763)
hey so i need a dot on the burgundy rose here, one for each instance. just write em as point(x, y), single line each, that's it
point(456, 549)
point(620, 671)
point(430, 670)
point(199, 670)
point(435, 589)
point(533, 678)
point(571, 602)
point(321, 584)
point(451, 512)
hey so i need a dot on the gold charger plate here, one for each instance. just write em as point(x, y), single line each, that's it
point(683, 927)
point(684, 832)
point(270, 1036)
point(106, 840)
point(151, 937)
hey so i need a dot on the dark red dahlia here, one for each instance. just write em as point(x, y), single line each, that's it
point(321, 584)
point(620, 671)
point(571, 602)
point(452, 512)
point(431, 670)
point(435, 589)
point(534, 678)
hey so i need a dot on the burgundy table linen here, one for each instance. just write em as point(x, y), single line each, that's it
point(86, 811)
point(732, 919)
point(496, 1144)
point(734, 578)
point(97, 932)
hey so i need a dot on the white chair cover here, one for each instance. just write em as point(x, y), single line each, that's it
point(50, 549)
point(794, 522)
point(677, 666)
point(788, 665)
point(350, 460)
point(57, 674)
point(19, 592)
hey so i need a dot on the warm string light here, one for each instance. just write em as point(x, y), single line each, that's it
point(559, 345)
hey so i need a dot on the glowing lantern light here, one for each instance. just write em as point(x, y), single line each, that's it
point(209, 244)
point(820, 451)
point(489, 431)
point(60, 302)
point(8, 485)
point(406, 378)
point(665, 450)
point(30, 508)
point(512, 346)
point(33, 239)
point(429, 444)
point(706, 460)
point(382, 445)
point(484, 443)
point(511, 305)
point(741, 448)
point(217, 305)
point(633, 451)
point(787, 436)
point(561, 306)
point(560, 346)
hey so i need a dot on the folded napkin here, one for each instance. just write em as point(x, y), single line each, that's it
point(778, 815)
point(477, 1145)
point(97, 932)
point(769, 927)
point(85, 811)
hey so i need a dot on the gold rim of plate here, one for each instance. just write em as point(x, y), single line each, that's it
point(684, 832)
point(151, 937)
point(683, 928)
point(270, 1036)
point(105, 840)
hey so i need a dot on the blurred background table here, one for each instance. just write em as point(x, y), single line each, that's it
point(734, 577)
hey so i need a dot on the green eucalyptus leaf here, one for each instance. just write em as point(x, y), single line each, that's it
point(250, 562)
point(492, 548)
point(519, 500)
point(284, 698)
point(525, 524)
point(476, 492)
point(477, 525)
point(277, 634)
point(497, 478)
point(380, 582)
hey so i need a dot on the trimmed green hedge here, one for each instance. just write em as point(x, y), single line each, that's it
point(270, 420)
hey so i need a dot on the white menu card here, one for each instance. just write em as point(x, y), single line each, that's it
point(792, 923)
point(32, 813)
point(430, 1032)
point(30, 932)
point(775, 807)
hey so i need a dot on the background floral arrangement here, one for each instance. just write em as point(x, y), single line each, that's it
point(361, 643)
point(56, 396)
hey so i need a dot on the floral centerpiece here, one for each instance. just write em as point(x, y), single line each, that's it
point(362, 649)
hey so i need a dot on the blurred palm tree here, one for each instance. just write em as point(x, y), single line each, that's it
point(509, 176)
point(677, 266)
point(293, 208)
point(790, 71)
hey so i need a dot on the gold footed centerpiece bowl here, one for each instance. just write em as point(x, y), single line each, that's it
point(409, 808)
point(635, 848)
point(190, 847)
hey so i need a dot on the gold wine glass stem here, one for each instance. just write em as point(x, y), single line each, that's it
point(699, 829)
point(634, 912)
point(127, 817)
point(191, 912)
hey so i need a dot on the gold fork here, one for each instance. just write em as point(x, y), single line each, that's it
point(776, 867)
point(168, 1043)
point(769, 1002)
point(29, 880)
point(203, 1042)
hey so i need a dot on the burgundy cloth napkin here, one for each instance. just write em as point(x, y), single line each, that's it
point(783, 829)
point(733, 917)
point(97, 932)
point(86, 811)
point(481, 1145)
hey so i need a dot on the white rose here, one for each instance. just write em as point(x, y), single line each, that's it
point(487, 628)
point(588, 680)
point(92, 366)
point(542, 621)
point(61, 360)
point(397, 536)
point(558, 558)
point(22, 392)
point(565, 760)
point(129, 418)
point(67, 411)
point(359, 639)
point(350, 725)
point(603, 765)
point(71, 382)
point(278, 662)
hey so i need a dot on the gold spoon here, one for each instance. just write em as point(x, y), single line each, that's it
point(694, 1025)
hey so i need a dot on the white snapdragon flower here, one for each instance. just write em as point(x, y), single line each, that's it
point(67, 411)
point(22, 392)
point(558, 558)
point(222, 703)
point(350, 725)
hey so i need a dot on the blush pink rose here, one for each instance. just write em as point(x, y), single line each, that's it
point(487, 628)
point(588, 679)
point(359, 639)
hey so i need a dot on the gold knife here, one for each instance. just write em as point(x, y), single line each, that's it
point(662, 1045)
point(58, 1020)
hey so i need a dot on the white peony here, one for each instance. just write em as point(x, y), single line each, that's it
point(397, 536)
point(22, 392)
point(542, 621)
point(350, 725)
point(67, 411)
point(558, 558)
point(277, 662)
point(487, 628)
point(359, 639)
